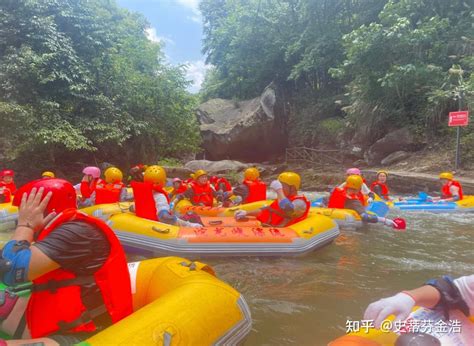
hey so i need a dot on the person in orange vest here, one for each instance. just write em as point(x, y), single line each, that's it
point(178, 188)
point(451, 190)
point(364, 189)
point(88, 185)
point(113, 190)
point(48, 175)
point(73, 264)
point(199, 191)
point(351, 197)
point(252, 188)
point(223, 190)
point(5, 194)
point(380, 185)
point(6, 178)
point(289, 207)
point(153, 203)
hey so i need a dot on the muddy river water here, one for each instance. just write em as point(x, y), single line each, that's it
point(307, 300)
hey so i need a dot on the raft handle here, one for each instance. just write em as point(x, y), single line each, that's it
point(216, 222)
point(159, 230)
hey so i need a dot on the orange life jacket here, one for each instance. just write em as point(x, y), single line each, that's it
point(109, 193)
point(257, 191)
point(273, 215)
point(339, 197)
point(446, 189)
point(202, 194)
point(383, 187)
point(145, 206)
point(222, 181)
point(87, 189)
point(56, 304)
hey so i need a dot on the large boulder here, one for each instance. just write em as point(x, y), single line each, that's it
point(252, 130)
point(217, 167)
point(398, 140)
point(395, 157)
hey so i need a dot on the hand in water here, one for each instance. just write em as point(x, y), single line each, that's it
point(399, 305)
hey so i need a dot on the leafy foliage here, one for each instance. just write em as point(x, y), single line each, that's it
point(80, 79)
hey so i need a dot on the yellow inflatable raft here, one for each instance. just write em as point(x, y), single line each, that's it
point(345, 218)
point(8, 217)
point(223, 236)
point(178, 302)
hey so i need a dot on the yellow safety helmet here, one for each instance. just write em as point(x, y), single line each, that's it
point(354, 182)
point(48, 174)
point(251, 173)
point(382, 171)
point(291, 179)
point(446, 175)
point(113, 175)
point(155, 175)
point(199, 173)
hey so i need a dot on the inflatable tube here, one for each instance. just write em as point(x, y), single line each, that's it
point(230, 237)
point(421, 320)
point(345, 218)
point(8, 217)
point(466, 205)
point(178, 302)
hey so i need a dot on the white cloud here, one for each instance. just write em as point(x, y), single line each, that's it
point(193, 5)
point(195, 72)
point(152, 35)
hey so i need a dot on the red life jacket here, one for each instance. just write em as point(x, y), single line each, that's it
point(222, 181)
point(56, 304)
point(5, 193)
point(339, 197)
point(10, 186)
point(273, 215)
point(446, 190)
point(383, 187)
point(145, 206)
point(202, 194)
point(87, 189)
point(109, 193)
point(257, 191)
point(181, 189)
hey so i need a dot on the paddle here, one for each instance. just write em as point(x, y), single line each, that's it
point(400, 224)
point(379, 208)
point(423, 196)
point(317, 202)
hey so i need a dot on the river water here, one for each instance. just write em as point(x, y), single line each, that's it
point(307, 300)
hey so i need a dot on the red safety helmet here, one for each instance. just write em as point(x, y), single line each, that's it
point(7, 172)
point(64, 194)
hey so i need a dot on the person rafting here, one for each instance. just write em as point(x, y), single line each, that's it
point(113, 190)
point(89, 182)
point(223, 190)
point(72, 263)
point(252, 188)
point(199, 191)
point(451, 191)
point(7, 180)
point(178, 188)
point(364, 189)
point(351, 197)
point(380, 185)
point(152, 201)
point(48, 175)
point(289, 207)
point(443, 294)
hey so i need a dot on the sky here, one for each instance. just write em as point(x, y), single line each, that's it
point(177, 24)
